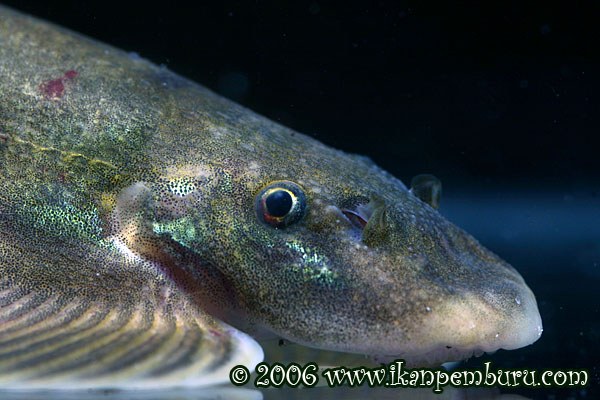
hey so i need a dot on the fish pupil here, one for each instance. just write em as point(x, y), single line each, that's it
point(279, 203)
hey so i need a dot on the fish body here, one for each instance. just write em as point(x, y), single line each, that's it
point(142, 217)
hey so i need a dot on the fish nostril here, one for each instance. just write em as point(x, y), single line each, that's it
point(361, 214)
point(356, 219)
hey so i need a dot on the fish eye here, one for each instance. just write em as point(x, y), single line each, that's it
point(281, 204)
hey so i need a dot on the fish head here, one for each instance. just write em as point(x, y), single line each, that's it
point(326, 249)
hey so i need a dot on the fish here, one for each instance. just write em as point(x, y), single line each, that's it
point(151, 231)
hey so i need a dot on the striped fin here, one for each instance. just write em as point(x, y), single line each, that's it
point(89, 316)
point(66, 341)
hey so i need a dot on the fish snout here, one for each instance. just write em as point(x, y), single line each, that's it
point(501, 315)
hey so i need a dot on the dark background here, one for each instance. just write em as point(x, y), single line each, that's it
point(501, 102)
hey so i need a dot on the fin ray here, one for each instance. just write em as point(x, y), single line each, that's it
point(106, 320)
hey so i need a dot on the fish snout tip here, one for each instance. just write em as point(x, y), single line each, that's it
point(477, 323)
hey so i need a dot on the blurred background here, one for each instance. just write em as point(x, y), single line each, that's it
point(501, 102)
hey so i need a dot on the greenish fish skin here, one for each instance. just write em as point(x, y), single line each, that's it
point(105, 155)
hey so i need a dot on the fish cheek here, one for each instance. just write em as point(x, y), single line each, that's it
point(161, 230)
point(294, 290)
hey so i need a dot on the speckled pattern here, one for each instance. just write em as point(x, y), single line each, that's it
point(126, 185)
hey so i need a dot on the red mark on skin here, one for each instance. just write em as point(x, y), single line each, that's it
point(55, 88)
point(70, 74)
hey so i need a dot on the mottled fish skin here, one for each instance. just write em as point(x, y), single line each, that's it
point(130, 191)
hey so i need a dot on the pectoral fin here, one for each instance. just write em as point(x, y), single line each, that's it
point(62, 341)
point(86, 316)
